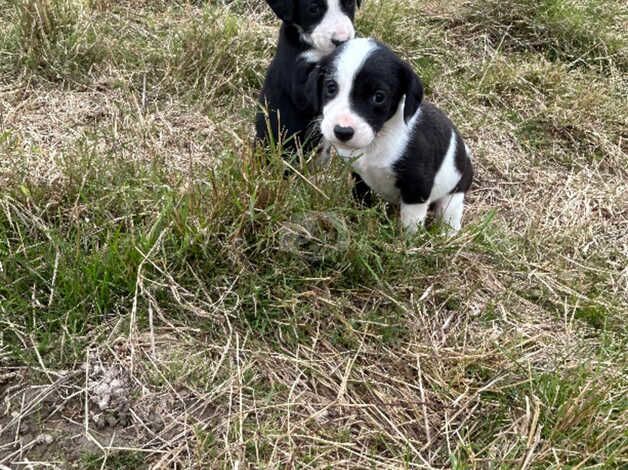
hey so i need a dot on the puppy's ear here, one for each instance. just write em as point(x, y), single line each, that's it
point(314, 88)
point(359, 3)
point(413, 91)
point(282, 8)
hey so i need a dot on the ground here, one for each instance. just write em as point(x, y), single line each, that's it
point(169, 300)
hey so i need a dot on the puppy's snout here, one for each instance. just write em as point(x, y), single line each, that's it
point(342, 34)
point(343, 134)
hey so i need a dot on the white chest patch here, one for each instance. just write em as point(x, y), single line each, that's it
point(375, 163)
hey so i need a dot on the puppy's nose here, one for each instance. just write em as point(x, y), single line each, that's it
point(343, 134)
point(338, 42)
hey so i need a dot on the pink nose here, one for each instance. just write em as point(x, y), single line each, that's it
point(342, 34)
point(345, 121)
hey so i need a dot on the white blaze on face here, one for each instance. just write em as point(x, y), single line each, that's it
point(335, 25)
point(338, 112)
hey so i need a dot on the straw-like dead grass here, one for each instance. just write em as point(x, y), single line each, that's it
point(167, 301)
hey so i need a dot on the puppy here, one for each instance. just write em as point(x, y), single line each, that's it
point(402, 148)
point(311, 29)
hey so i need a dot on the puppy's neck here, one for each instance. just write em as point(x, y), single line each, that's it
point(395, 130)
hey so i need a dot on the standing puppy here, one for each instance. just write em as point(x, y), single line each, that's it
point(402, 148)
point(311, 29)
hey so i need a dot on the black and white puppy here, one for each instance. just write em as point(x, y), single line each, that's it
point(402, 148)
point(311, 30)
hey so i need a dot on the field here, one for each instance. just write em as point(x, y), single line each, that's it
point(168, 300)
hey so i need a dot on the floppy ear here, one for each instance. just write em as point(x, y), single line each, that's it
point(313, 88)
point(306, 86)
point(282, 8)
point(413, 92)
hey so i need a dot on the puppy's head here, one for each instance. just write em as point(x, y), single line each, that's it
point(364, 86)
point(323, 24)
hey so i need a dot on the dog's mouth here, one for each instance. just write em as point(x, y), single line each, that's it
point(323, 42)
point(357, 143)
point(324, 47)
point(345, 146)
point(346, 150)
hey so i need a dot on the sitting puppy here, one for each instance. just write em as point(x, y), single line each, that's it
point(311, 29)
point(404, 149)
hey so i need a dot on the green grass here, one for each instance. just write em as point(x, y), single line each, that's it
point(117, 461)
point(270, 321)
point(579, 33)
point(55, 39)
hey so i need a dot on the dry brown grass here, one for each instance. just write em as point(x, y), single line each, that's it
point(504, 347)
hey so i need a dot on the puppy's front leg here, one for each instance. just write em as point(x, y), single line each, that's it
point(413, 216)
point(362, 194)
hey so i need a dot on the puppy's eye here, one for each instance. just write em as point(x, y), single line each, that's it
point(314, 9)
point(379, 97)
point(331, 88)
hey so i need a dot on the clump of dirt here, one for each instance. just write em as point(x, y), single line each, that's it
point(109, 390)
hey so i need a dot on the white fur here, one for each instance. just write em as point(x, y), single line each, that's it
point(313, 56)
point(338, 110)
point(450, 209)
point(374, 163)
point(448, 175)
point(335, 25)
point(413, 216)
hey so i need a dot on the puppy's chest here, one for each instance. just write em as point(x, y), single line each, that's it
point(377, 171)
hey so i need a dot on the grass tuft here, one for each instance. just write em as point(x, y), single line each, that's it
point(55, 40)
point(218, 53)
point(580, 33)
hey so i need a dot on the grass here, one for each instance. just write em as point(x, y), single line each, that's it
point(168, 299)
point(578, 33)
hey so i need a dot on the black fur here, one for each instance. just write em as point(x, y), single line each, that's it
point(384, 74)
point(424, 154)
point(361, 191)
point(290, 91)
